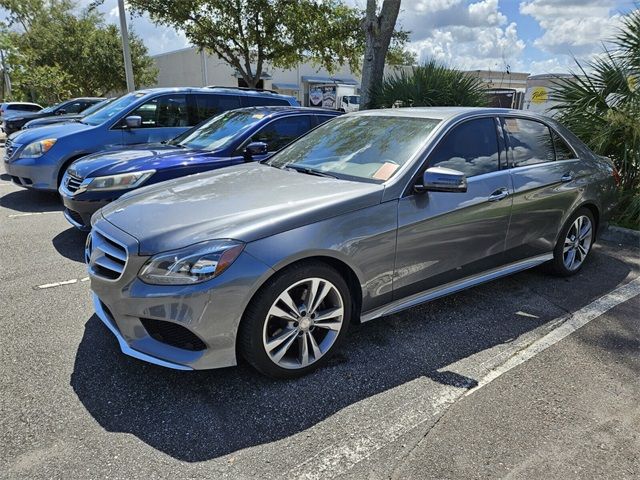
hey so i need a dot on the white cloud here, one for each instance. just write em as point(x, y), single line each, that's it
point(461, 34)
point(572, 27)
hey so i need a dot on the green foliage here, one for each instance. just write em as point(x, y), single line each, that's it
point(429, 85)
point(57, 53)
point(601, 105)
point(247, 34)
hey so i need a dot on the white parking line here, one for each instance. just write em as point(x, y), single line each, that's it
point(354, 447)
point(18, 215)
point(575, 321)
point(60, 284)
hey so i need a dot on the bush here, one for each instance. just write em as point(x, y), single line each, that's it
point(601, 104)
point(429, 85)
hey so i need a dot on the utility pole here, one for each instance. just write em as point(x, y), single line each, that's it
point(126, 51)
point(6, 81)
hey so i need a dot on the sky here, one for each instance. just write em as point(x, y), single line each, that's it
point(534, 36)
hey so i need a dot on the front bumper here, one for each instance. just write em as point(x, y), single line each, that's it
point(210, 311)
point(33, 173)
point(78, 212)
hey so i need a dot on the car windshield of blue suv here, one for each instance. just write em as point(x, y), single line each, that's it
point(362, 148)
point(221, 130)
point(112, 109)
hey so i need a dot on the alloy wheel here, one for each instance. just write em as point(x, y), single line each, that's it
point(577, 243)
point(303, 323)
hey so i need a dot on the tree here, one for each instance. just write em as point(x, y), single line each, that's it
point(429, 85)
point(601, 105)
point(378, 29)
point(57, 53)
point(248, 34)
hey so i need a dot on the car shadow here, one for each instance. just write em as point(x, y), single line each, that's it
point(70, 244)
point(31, 201)
point(196, 416)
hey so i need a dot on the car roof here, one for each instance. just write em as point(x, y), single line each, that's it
point(444, 113)
point(215, 89)
point(280, 110)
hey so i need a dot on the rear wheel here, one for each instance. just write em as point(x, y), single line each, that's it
point(574, 243)
point(294, 324)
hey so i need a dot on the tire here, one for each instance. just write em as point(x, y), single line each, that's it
point(570, 246)
point(300, 340)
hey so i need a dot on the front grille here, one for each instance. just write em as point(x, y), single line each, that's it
point(106, 257)
point(73, 182)
point(9, 149)
point(172, 334)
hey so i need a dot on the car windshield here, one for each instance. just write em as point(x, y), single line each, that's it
point(51, 108)
point(367, 148)
point(112, 108)
point(96, 106)
point(221, 130)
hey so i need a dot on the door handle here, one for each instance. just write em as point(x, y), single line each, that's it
point(499, 195)
point(567, 177)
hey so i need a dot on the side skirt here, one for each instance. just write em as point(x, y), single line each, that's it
point(449, 288)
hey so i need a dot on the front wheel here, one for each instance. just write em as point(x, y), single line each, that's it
point(295, 323)
point(574, 243)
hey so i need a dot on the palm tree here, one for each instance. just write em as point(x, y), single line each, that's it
point(429, 85)
point(601, 104)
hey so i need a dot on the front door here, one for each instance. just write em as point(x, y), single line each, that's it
point(442, 236)
point(163, 118)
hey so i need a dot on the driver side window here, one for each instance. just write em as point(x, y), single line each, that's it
point(471, 148)
point(283, 131)
point(165, 111)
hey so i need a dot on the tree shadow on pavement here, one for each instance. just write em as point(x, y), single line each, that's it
point(70, 244)
point(196, 416)
point(31, 201)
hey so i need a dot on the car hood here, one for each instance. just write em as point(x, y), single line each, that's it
point(24, 137)
point(244, 202)
point(54, 119)
point(27, 116)
point(147, 157)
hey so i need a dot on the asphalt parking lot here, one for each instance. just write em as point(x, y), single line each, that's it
point(526, 377)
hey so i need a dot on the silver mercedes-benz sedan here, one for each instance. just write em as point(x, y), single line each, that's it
point(369, 214)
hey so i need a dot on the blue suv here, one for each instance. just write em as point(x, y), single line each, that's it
point(38, 158)
point(236, 136)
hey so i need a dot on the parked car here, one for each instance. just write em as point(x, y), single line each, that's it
point(368, 214)
point(67, 117)
point(37, 158)
point(75, 105)
point(233, 137)
point(10, 109)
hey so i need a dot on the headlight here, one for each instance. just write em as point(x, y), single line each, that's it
point(194, 264)
point(37, 149)
point(118, 182)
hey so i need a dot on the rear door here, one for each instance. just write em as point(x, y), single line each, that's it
point(204, 106)
point(546, 176)
point(442, 236)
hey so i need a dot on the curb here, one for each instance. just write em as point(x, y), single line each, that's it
point(621, 236)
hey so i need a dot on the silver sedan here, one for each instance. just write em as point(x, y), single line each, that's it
point(370, 213)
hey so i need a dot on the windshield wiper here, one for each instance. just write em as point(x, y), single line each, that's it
point(310, 171)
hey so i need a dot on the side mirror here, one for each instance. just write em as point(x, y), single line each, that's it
point(256, 148)
point(133, 121)
point(62, 111)
point(439, 179)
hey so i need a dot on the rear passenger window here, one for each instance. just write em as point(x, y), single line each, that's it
point(529, 141)
point(471, 148)
point(207, 106)
point(165, 111)
point(563, 151)
point(251, 101)
point(283, 131)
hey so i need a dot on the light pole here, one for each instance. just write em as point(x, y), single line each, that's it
point(126, 51)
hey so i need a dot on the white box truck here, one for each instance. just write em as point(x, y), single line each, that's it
point(334, 96)
point(537, 96)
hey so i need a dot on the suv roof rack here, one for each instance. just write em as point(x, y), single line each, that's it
point(243, 88)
